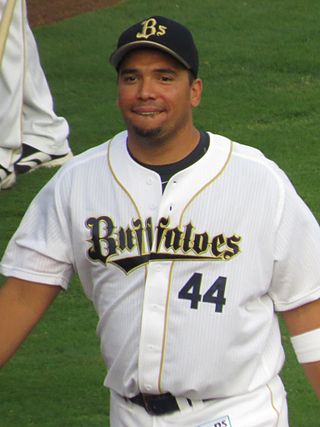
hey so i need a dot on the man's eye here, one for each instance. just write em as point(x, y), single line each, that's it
point(166, 78)
point(129, 79)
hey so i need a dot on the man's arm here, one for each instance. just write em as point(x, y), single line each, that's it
point(22, 305)
point(298, 321)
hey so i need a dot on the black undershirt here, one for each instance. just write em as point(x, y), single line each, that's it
point(167, 171)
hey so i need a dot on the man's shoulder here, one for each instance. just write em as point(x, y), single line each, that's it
point(250, 159)
point(95, 153)
point(238, 149)
point(242, 151)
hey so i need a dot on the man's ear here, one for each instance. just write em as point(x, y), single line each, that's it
point(196, 92)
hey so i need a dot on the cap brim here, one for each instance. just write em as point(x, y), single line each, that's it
point(119, 54)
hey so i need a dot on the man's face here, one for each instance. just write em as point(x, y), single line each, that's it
point(155, 94)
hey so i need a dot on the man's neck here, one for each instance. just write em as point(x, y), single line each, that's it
point(160, 152)
point(168, 170)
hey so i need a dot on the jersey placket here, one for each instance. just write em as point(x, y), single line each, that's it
point(153, 326)
point(154, 318)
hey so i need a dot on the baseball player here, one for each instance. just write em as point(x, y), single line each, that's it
point(32, 135)
point(187, 244)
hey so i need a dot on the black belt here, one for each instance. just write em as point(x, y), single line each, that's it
point(158, 404)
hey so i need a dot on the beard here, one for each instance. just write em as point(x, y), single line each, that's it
point(147, 133)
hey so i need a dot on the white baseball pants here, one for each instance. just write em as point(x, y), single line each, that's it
point(26, 107)
point(265, 407)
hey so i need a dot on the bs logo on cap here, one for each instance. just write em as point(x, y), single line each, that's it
point(150, 28)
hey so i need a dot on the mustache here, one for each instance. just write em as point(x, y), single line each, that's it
point(147, 107)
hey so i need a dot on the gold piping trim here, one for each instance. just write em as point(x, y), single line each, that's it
point(209, 182)
point(119, 182)
point(138, 213)
point(164, 341)
point(170, 280)
point(273, 404)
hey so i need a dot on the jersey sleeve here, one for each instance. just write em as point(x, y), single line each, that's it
point(296, 276)
point(40, 250)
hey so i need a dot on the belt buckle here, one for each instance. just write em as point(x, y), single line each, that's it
point(159, 404)
point(146, 399)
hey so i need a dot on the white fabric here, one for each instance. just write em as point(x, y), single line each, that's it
point(232, 217)
point(307, 346)
point(264, 407)
point(26, 107)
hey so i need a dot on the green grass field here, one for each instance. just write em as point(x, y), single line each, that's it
point(261, 69)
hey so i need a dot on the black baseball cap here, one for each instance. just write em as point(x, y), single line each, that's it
point(158, 32)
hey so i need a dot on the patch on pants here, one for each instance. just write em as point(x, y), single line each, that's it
point(221, 422)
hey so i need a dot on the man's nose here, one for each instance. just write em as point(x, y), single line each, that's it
point(146, 89)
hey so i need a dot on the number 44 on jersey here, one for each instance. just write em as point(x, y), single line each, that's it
point(214, 295)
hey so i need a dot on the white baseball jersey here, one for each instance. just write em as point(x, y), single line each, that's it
point(185, 283)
